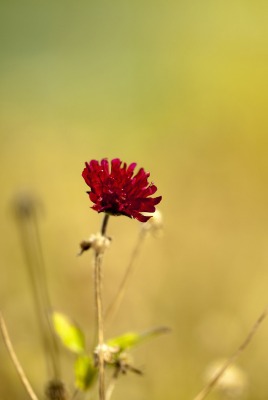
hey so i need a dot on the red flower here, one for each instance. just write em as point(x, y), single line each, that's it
point(116, 191)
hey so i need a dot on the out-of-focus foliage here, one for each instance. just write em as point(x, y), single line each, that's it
point(69, 333)
point(85, 372)
point(132, 339)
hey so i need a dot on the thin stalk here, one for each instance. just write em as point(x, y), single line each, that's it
point(25, 208)
point(53, 344)
point(99, 311)
point(110, 389)
point(207, 389)
point(100, 330)
point(104, 224)
point(117, 300)
point(15, 360)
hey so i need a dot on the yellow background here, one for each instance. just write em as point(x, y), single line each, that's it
point(180, 87)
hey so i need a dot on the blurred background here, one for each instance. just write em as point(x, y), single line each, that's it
point(180, 88)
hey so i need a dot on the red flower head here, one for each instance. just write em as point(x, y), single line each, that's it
point(116, 191)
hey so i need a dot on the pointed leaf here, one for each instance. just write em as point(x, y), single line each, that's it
point(69, 333)
point(131, 339)
point(125, 341)
point(85, 372)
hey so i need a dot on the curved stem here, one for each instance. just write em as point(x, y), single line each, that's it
point(15, 360)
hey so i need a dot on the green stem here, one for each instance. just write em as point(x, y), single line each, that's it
point(104, 224)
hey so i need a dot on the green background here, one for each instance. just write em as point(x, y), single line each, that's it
point(180, 88)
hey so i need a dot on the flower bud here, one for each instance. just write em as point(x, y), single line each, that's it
point(109, 353)
point(97, 242)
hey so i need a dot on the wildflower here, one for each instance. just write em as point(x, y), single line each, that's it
point(116, 191)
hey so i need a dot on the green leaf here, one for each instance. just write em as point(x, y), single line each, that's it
point(131, 339)
point(85, 372)
point(69, 333)
point(125, 341)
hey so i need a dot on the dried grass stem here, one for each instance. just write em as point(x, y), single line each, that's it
point(15, 360)
point(207, 389)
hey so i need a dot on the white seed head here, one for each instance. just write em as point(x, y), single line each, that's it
point(109, 353)
point(232, 384)
point(154, 224)
point(99, 242)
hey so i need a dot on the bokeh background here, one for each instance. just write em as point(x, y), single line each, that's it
point(181, 88)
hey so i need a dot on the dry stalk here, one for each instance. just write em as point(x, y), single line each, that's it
point(207, 389)
point(15, 360)
point(98, 300)
point(117, 300)
point(99, 310)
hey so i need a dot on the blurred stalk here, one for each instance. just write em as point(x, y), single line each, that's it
point(15, 360)
point(25, 208)
point(212, 383)
point(117, 300)
point(110, 389)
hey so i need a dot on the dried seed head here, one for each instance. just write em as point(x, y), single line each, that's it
point(109, 353)
point(97, 242)
point(84, 246)
point(55, 390)
point(25, 205)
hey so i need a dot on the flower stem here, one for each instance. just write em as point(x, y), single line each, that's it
point(98, 301)
point(99, 311)
point(104, 224)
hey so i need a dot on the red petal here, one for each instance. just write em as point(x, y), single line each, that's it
point(140, 217)
point(157, 200)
